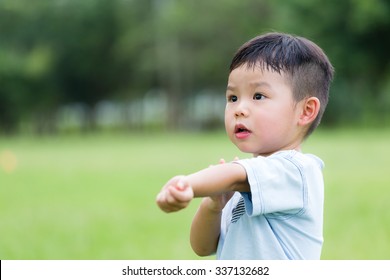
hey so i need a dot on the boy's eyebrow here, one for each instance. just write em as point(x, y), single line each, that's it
point(261, 84)
point(254, 84)
point(230, 87)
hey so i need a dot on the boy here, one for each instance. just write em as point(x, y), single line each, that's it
point(269, 206)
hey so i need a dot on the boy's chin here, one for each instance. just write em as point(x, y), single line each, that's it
point(252, 151)
point(245, 149)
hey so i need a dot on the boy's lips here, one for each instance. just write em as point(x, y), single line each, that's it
point(241, 131)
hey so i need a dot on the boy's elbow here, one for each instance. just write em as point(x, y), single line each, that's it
point(201, 248)
point(203, 252)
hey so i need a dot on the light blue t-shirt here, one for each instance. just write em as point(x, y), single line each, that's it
point(282, 216)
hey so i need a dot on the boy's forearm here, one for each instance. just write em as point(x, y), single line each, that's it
point(205, 229)
point(219, 179)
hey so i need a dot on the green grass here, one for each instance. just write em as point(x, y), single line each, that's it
point(92, 197)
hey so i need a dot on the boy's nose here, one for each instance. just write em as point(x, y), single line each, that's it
point(241, 110)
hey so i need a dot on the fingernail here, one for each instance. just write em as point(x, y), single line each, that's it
point(180, 184)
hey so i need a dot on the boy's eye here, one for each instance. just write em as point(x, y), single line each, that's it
point(232, 98)
point(258, 96)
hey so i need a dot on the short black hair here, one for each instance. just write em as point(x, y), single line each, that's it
point(305, 64)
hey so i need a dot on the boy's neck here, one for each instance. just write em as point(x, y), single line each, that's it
point(295, 147)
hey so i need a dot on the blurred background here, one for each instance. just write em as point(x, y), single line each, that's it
point(99, 93)
point(70, 65)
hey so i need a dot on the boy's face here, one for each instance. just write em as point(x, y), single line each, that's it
point(261, 116)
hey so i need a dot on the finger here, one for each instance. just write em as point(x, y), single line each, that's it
point(222, 161)
point(184, 195)
point(160, 197)
point(170, 199)
point(181, 185)
point(162, 202)
point(173, 181)
point(178, 199)
point(176, 206)
point(168, 204)
point(170, 209)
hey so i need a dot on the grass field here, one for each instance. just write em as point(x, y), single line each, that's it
point(92, 196)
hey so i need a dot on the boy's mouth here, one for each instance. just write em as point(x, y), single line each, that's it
point(241, 131)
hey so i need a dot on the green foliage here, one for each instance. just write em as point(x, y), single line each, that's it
point(56, 52)
point(93, 196)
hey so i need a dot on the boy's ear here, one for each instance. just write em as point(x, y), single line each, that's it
point(310, 109)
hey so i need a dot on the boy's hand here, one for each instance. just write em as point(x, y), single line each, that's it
point(175, 195)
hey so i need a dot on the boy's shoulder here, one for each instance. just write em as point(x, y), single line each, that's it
point(298, 157)
point(283, 160)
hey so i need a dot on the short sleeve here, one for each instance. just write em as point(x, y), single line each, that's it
point(277, 185)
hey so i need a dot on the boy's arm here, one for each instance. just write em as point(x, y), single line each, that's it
point(223, 180)
point(219, 179)
point(217, 184)
point(206, 225)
